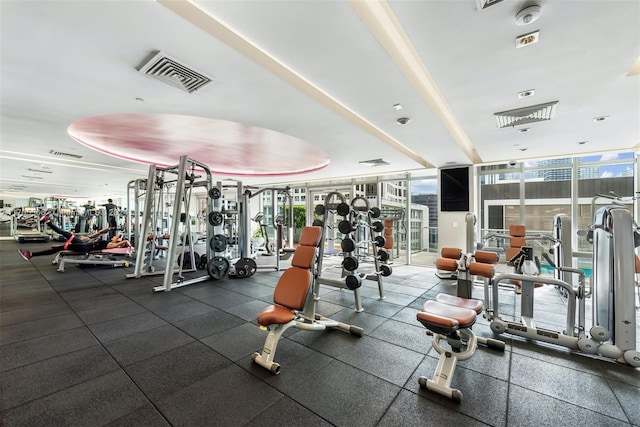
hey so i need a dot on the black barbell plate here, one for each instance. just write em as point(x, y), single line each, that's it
point(214, 193)
point(215, 218)
point(375, 212)
point(343, 209)
point(353, 281)
point(218, 243)
point(383, 255)
point(380, 241)
point(345, 226)
point(218, 267)
point(348, 245)
point(385, 270)
point(350, 263)
point(377, 226)
point(319, 210)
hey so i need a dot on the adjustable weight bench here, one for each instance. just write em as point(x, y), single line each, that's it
point(451, 317)
point(116, 257)
point(294, 301)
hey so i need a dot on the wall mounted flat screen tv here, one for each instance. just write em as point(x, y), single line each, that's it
point(454, 189)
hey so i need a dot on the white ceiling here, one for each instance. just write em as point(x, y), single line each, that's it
point(327, 72)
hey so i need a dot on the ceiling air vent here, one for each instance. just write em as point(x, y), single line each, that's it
point(483, 4)
point(60, 153)
point(374, 162)
point(171, 71)
point(521, 116)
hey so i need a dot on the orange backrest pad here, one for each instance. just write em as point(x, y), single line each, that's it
point(293, 286)
point(517, 230)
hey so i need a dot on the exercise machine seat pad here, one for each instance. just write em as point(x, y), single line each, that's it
point(468, 303)
point(275, 315)
point(486, 257)
point(447, 264)
point(481, 269)
point(453, 253)
point(293, 287)
point(304, 257)
point(442, 317)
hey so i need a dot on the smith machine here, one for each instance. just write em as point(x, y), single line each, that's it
point(184, 177)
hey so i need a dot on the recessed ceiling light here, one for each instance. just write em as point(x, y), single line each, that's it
point(582, 142)
point(601, 118)
point(523, 149)
point(397, 107)
point(403, 121)
point(140, 99)
point(527, 39)
point(524, 130)
point(526, 93)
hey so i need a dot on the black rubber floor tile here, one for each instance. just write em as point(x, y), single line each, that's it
point(112, 330)
point(143, 345)
point(99, 301)
point(621, 373)
point(169, 372)
point(296, 362)
point(37, 328)
point(110, 312)
point(380, 308)
point(286, 412)
point(22, 292)
point(237, 343)
point(39, 379)
point(230, 397)
point(566, 384)
point(254, 290)
point(215, 321)
point(337, 394)
point(176, 313)
point(407, 315)
point(34, 313)
point(34, 350)
point(82, 294)
point(94, 402)
point(26, 301)
point(154, 301)
point(147, 416)
point(388, 361)
point(413, 410)
point(224, 299)
point(528, 408)
point(412, 337)
point(629, 398)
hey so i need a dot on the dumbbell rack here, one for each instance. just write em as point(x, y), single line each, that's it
point(357, 230)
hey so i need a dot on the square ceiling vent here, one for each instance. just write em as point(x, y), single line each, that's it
point(374, 162)
point(521, 116)
point(169, 70)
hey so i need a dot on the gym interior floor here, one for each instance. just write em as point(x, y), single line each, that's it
point(88, 347)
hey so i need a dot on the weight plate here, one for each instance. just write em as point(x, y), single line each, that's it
point(245, 267)
point(383, 255)
point(377, 226)
point(344, 227)
point(218, 243)
point(375, 212)
point(215, 218)
point(319, 210)
point(350, 263)
point(348, 245)
point(317, 223)
point(214, 193)
point(353, 281)
point(385, 270)
point(380, 241)
point(343, 209)
point(218, 267)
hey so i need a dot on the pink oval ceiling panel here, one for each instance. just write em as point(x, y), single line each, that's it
point(225, 147)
